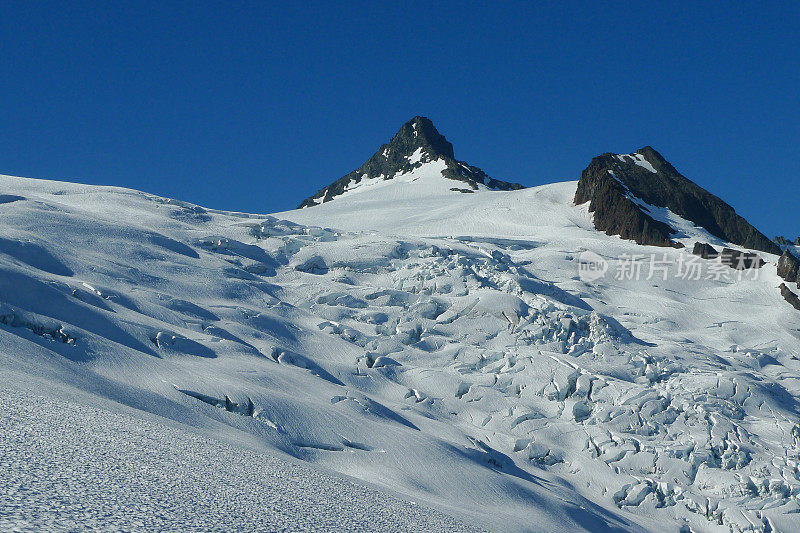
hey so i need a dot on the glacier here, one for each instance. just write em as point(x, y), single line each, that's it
point(401, 357)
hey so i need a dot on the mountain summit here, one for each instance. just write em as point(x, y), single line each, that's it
point(617, 187)
point(417, 143)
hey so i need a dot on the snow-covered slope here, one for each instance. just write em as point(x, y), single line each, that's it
point(440, 347)
point(69, 465)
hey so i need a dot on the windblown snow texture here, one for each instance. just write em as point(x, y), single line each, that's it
point(68, 466)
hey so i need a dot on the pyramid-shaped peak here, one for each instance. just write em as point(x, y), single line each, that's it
point(419, 132)
point(418, 143)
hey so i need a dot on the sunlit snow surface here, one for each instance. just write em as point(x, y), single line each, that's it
point(438, 346)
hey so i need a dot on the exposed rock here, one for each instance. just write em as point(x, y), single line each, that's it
point(783, 241)
point(418, 142)
point(705, 250)
point(741, 260)
point(617, 185)
point(735, 259)
point(789, 296)
point(614, 212)
point(788, 266)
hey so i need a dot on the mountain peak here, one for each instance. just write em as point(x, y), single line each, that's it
point(617, 184)
point(419, 132)
point(654, 157)
point(650, 152)
point(415, 144)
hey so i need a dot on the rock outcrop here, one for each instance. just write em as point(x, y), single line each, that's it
point(705, 250)
point(739, 260)
point(790, 296)
point(617, 188)
point(417, 143)
point(735, 259)
point(615, 212)
point(789, 267)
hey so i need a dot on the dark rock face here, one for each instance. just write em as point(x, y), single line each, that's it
point(705, 250)
point(614, 211)
point(790, 296)
point(788, 267)
point(612, 184)
point(418, 134)
point(741, 260)
point(733, 258)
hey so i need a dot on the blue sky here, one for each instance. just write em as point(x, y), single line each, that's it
point(253, 106)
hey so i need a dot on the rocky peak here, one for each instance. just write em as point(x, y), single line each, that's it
point(419, 132)
point(616, 185)
point(416, 143)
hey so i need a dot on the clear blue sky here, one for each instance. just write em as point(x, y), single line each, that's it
point(253, 106)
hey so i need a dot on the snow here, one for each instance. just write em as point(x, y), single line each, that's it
point(167, 366)
point(644, 163)
point(416, 157)
point(118, 471)
point(638, 159)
